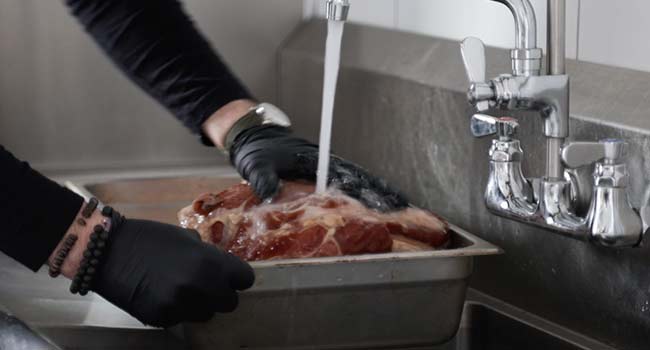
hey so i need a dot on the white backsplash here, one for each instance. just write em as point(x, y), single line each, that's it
point(601, 31)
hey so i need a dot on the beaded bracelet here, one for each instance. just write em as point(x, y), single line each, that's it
point(82, 281)
point(68, 243)
point(71, 239)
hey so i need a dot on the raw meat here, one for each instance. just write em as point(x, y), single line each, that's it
point(300, 224)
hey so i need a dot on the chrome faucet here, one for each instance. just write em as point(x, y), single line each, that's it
point(548, 201)
point(337, 10)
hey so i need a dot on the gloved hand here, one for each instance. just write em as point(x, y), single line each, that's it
point(265, 154)
point(163, 274)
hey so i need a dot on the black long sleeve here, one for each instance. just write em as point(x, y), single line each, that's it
point(35, 212)
point(157, 46)
point(155, 43)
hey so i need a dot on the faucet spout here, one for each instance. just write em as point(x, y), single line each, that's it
point(525, 23)
point(526, 56)
point(337, 10)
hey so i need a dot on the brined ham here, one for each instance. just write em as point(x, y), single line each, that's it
point(301, 224)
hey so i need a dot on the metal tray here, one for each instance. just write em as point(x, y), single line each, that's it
point(154, 198)
point(350, 302)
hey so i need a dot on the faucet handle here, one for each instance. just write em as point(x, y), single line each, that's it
point(480, 92)
point(473, 52)
point(576, 154)
point(484, 125)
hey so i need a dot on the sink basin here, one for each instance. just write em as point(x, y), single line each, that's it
point(485, 328)
point(485, 324)
point(299, 300)
point(102, 338)
point(491, 324)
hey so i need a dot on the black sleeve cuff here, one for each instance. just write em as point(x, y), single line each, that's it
point(35, 213)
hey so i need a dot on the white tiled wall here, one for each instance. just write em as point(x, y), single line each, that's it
point(615, 32)
point(456, 19)
point(602, 31)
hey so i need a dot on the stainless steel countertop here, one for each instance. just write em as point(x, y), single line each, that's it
point(40, 301)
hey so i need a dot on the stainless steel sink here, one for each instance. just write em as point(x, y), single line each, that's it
point(102, 338)
point(84, 323)
point(491, 324)
point(487, 324)
point(300, 301)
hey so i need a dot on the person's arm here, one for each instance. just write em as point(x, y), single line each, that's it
point(156, 44)
point(35, 212)
point(161, 274)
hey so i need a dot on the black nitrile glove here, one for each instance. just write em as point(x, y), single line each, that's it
point(265, 154)
point(163, 274)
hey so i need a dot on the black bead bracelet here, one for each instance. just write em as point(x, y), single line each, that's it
point(90, 208)
point(71, 239)
point(61, 255)
point(95, 249)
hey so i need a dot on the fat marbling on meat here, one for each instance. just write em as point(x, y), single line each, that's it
point(301, 224)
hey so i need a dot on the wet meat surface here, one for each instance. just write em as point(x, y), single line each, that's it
point(301, 224)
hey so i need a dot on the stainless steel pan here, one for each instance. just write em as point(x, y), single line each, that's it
point(352, 302)
point(347, 302)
